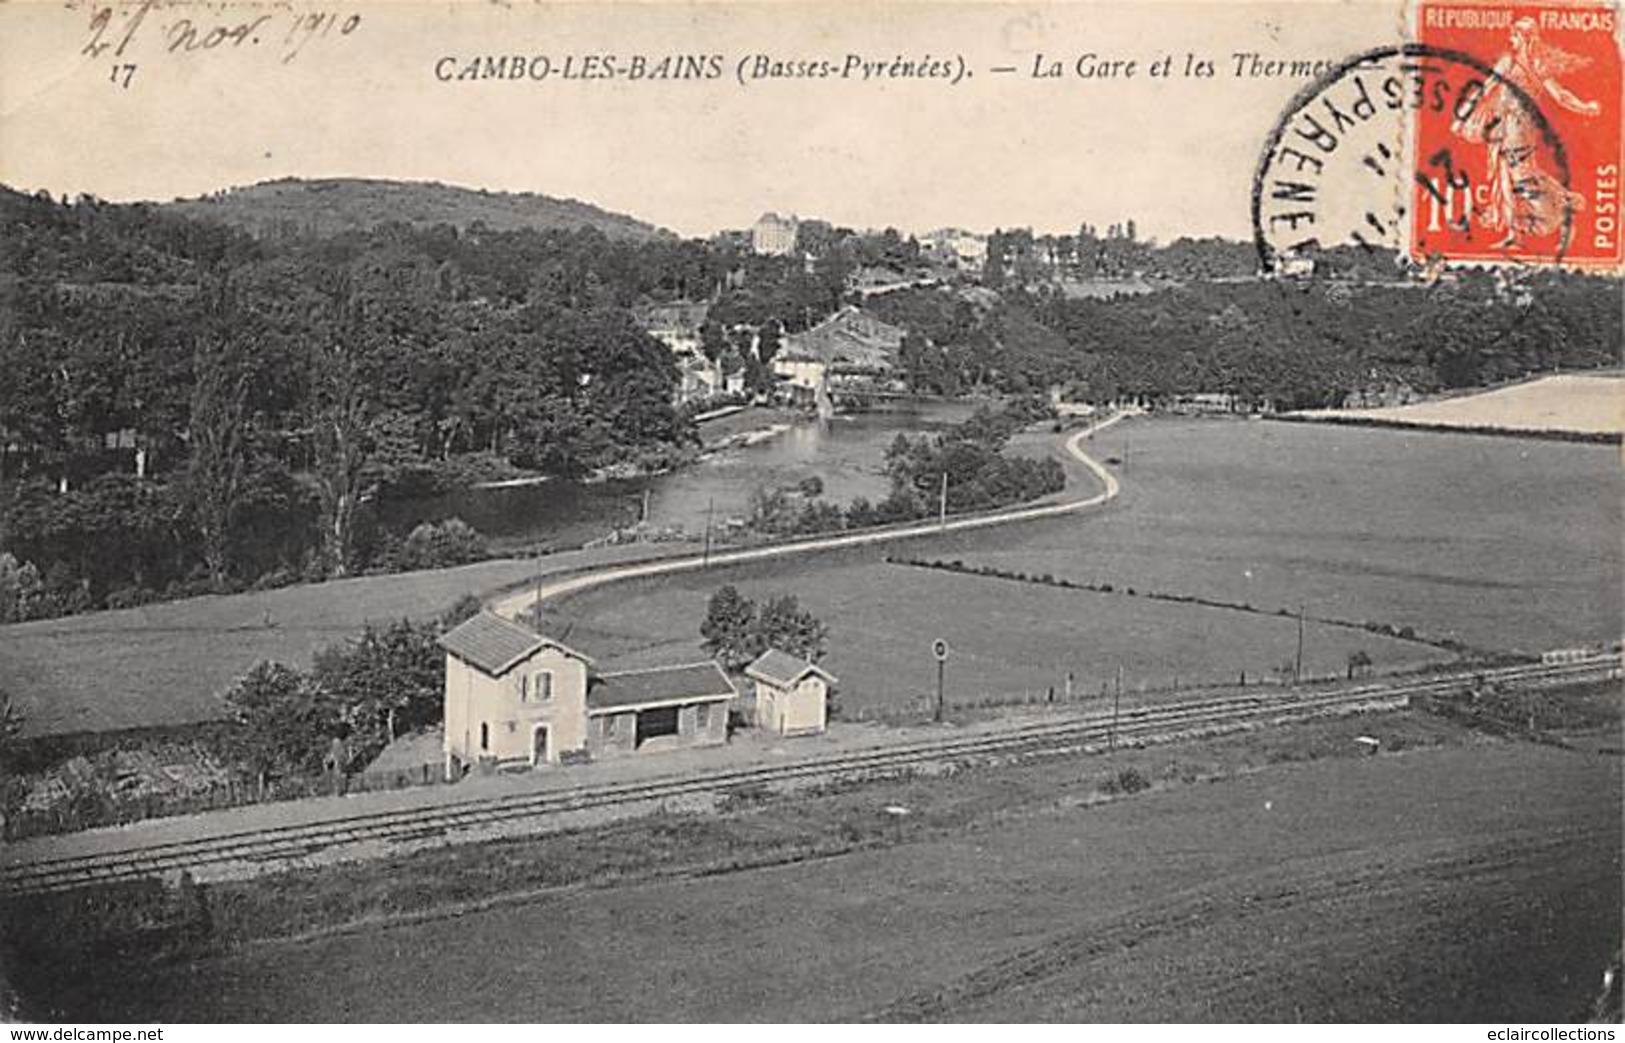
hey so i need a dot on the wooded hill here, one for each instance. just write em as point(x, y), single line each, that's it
point(330, 205)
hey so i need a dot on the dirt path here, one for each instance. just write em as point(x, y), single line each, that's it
point(518, 602)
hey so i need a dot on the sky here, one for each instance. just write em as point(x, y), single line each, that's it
point(1176, 153)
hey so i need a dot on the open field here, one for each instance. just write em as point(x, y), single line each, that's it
point(1005, 637)
point(1463, 879)
point(1568, 403)
point(1500, 544)
point(1508, 544)
point(162, 665)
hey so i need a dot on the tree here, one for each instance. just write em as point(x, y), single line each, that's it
point(713, 341)
point(785, 625)
point(462, 610)
point(767, 342)
point(383, 683)
point(11, 728)
point(20, 588)
point(281, 722)
point(341, 456)
point(729, 620)
point(1359, 664)
point(219, 444)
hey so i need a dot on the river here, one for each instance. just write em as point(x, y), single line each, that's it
point(846, 452)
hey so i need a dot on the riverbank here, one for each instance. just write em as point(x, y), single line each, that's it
point(748, 425)
point(522, 602)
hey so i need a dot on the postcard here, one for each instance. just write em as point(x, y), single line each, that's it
point(789, 511)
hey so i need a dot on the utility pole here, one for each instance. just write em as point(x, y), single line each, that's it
point(1297, 666)
point(1117, 700)
point(705, 559)
point(942, 504)
point(644, 520)
point(536, 608)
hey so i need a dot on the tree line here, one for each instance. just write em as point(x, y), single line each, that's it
point(1280, 343)
point(188, 408)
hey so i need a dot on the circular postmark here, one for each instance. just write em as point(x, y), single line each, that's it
point(1431, 153)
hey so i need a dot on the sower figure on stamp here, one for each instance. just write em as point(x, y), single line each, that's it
point(1526, 200)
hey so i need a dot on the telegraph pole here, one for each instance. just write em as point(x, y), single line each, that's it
point(536, 609)
point(1117, 700)
point(942, 504)
point(705, 559)
point(1297, 667)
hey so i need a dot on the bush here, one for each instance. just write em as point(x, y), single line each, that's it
point(436, 545)
point(131, 597)
point(1126, 781)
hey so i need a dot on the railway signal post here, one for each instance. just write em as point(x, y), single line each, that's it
point(939, 649)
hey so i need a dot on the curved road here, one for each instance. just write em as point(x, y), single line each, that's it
point(514, 604)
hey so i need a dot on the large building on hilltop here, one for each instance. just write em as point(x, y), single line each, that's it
point(774, 235)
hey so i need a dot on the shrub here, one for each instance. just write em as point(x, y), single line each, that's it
point(131, 597)
point(438, 545)
point(1126, 781)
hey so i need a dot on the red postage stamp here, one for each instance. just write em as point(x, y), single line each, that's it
point(1524, 167)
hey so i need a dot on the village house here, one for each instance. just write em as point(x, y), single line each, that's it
point(851, 344)
point(514, 696)
point(676, 325)
point(792, 695)
point(965, 250)
point(699, 379)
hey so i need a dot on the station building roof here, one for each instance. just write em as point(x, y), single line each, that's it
point(660, 686)
point(496, 645)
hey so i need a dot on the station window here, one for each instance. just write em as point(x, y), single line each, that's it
point(702, 716)
point(485, 736)
point(544, 685)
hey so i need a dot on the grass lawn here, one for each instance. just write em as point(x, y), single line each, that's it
point(1501, 543)
point(1005, 637)
point(164, 665)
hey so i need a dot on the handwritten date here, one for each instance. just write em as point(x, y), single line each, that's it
point(118, 29)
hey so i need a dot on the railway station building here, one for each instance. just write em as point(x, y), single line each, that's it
point(514, 696)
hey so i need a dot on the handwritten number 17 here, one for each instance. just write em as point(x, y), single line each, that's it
point(122, 75)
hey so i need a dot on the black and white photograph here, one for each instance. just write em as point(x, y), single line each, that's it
point(795, 511)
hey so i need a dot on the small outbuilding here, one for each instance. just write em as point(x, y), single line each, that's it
point(792, 695)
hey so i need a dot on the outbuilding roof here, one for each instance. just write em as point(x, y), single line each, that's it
point(783, 669)
point(495, 645)
point(664, 685)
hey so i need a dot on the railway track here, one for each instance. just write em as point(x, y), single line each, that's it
point(265, 850)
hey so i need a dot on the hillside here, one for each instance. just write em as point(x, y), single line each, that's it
point(340, 204)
